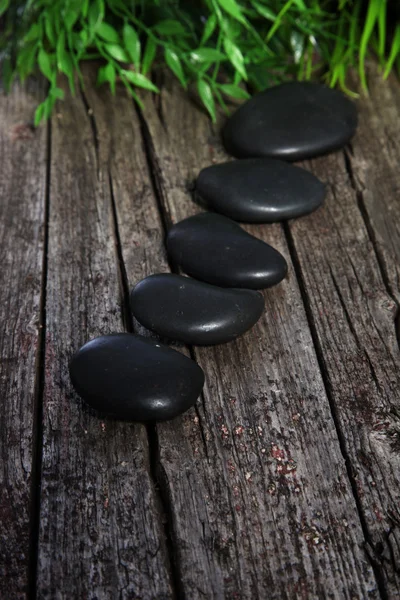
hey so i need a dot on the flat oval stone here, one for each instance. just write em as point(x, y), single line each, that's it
point(215, 249)
point(194, 312)
point(260, 190)
point(291, 121)
point(134, 378)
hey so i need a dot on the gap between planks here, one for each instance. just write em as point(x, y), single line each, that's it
point(37, 441)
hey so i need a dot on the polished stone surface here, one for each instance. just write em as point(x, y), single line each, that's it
point(291, 121)
point(194, 312)
point(134, 378)
point(259, 190)
point(215, 249)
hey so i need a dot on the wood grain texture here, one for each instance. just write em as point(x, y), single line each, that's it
point(101, 534)
point(22, 215)
point(352, 306)
point(259, 497)
point(283, 481)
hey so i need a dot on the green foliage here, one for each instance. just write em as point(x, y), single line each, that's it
point(224, 47)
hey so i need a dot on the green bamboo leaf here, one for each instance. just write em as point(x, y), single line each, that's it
point(279, 18)
point(207, 55)
point(382, 24)
point(236, 57)
point(174, 63)
point(70, 18)
point(209, 28)
point(85, 8)
point(60, 48)
point(264, 11)
point(49, 29)
point(64, 60)
point(117, 52)
point(170, 27)
point(233, 9)
point(234, 90)
point(101, 77)
point(301, 6)
point(95, 15)
point(140, 80)
point(26, 60)
point(132, 43)
point(107, 33)
point(370, 21)
point(107, 74)
point(65, 64)
point(44, 63)
point(207, 98)
point(394, 52)
point(34, 33)
point(85, 36)
point(57, 93)
point(149, 55)
point(48, 106)
point(39, 113)
point(4, 4)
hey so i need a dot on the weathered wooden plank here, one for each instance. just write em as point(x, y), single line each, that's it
point(22, 216)
point(259, 500)
point(100, 532)
point(353, 312)
point(373, 165)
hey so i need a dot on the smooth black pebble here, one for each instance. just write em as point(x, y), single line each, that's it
point(135, 379)
point(194, 312)
point(215, 249)
point(291, 121)
point(260, 190)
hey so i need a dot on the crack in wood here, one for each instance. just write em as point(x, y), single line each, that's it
point(155, 174)
point(348, 154)
point(352, 329)
point(126, 312)
point(37, 439)
point(161, 490)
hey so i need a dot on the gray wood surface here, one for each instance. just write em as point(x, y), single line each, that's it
point(283, 480)
point(22, 227)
